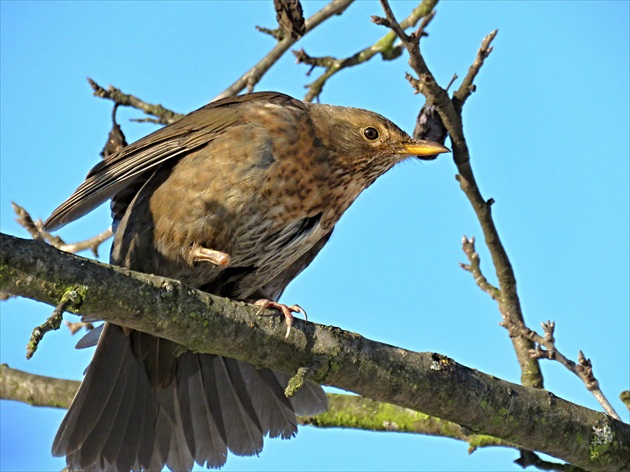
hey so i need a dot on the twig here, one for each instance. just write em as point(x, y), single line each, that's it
point(115, 139)
point(92, 243)
point(509, 304)
point(468, 246)
point(384, 46)
point(529, 458)
point(250, 78)
point(69, 298)
point(297, 381)
point(25, 221)
point(393, 24)
point(546, 349)
point(163, 115)
point(584, 369)
point(38, 233)
point(467, 87)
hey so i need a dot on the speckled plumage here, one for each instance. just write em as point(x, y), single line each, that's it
point(262, 178)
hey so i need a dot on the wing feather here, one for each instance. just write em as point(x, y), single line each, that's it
point(193, 131)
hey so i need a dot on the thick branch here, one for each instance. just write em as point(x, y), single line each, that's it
point(36, 390)
point(427, 382)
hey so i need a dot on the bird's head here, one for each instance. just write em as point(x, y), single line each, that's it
point(366, 143)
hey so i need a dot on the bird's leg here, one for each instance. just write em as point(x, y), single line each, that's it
point(287, 311)
point(203, 254)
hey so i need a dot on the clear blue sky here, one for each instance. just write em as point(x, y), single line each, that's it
point(548, 132)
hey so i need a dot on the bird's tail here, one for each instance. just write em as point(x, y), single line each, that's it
point(126, 418)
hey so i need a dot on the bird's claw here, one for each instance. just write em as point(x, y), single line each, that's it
point(287, 311)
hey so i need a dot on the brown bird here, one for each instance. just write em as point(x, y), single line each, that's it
point(236, 199)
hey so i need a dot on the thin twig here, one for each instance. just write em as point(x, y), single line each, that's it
point(467, 86)
point(69, 298)
point(164, 116)
point(392, 23)
point(160, 115)
point(384, 46)
point(468, 246)
point(25, 221)
point(92, 243)
point(116, 138)
point(38, 233)
point(250, 78)
point(583, 369)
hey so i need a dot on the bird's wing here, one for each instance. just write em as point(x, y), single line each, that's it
point(193, 131)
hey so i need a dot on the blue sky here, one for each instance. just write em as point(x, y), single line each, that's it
point(548, 133)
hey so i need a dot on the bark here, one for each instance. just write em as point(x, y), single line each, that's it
point(431, 383)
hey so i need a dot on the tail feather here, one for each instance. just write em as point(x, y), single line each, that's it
point(114, 440)
point(123, 419)
point(243, 431)
point(273, 408)
point(147, 431)
point(162, 444)
point(180, 457)
point(94, 396)
point(204, 438)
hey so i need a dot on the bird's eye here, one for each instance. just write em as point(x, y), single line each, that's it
point(370, 133)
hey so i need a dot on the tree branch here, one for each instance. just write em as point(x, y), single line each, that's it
point(384, 46)
point(163, 115)
point(344, 411)
point(583, 369)
point(37, 232)
point(449, 111)
point(250, 78)
point(468, 246)
point(36, 390)
point(428, 382)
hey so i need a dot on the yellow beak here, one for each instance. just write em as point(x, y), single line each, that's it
point(422, 149)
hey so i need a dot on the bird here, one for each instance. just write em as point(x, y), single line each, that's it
point(235, 199)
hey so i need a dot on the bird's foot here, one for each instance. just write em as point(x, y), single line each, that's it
point(203, 254)
point(287, 311)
